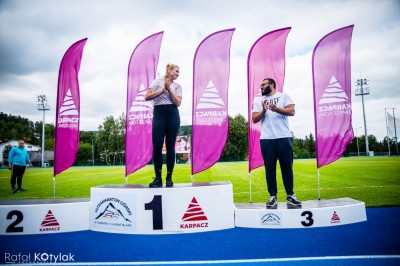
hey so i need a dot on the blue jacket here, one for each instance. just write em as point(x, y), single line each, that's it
point(18, 156)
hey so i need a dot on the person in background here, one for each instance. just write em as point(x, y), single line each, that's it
point(18, 158)
point(167, 97)
point(276, 140)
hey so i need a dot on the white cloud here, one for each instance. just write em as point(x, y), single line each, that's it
point(34, 36)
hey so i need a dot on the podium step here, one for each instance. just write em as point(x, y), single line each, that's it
point(314, 213)
point(184, 208)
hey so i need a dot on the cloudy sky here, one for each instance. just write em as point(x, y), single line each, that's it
point(35, 34)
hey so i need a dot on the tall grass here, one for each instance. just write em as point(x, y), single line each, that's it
point(374, 180)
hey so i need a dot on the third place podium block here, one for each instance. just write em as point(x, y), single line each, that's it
point(314, 213)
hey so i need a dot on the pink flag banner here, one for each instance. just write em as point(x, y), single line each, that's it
point(332, 95)
point(266, 59)
point(139, 113)
point(210, 99)
point(68, 109)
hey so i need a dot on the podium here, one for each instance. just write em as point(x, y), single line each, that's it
point(184, 208)
point(25, 217)
point(314, 213)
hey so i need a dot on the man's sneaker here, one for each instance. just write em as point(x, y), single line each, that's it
point(21, 190)
point(157, 182)
point(14, 190)
point(169, 183)
point(272, 203)
point(293, 202)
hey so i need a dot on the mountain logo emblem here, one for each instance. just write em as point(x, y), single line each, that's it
point(111, 213)
point(333, 93)
point(270, 219)
point(50, 220)
point(194, 212)
point(194, 217)
point(50, 223)
point(68, 107)
point(140, 104)
point(210, 99)
point(335, 218)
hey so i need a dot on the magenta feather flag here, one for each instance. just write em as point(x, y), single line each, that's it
point(139, 113)
point(266, 60)
point(332, 95)
point(211, 69)
point(68, 109)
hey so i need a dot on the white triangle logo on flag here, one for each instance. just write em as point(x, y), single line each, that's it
point(210, 98)
point(68, 107)
point(333, 93)
point(140, 104)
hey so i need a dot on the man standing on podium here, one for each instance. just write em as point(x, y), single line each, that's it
point(276, 140)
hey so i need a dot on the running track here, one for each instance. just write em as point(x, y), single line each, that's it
point(375, 242)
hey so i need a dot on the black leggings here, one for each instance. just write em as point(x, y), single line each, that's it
point(166, 122)
point(16, 175)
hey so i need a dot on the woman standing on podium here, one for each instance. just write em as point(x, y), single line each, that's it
point(167, 96)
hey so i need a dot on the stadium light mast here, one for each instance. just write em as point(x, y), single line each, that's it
point(42, 106)
point(358, 148)
point(362, 90)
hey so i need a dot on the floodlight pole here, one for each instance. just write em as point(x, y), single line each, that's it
point(363, 90)
point(387, 130)
point(358, 148)
point(42, 106)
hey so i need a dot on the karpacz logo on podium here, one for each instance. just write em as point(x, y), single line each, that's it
point(50, 223)
point(194, 216)
point(112, 213)
point(335, 218)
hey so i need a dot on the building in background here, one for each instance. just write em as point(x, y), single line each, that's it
point(34, 152)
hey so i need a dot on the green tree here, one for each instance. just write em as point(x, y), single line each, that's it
point(84, 154)
point(111, 140)
point(15, 127)
point(236, 146)
point(309, 144)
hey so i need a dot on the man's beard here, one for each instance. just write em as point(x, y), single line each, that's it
point(266, 91)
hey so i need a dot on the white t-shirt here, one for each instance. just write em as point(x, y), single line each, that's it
point(164, 98)
point(274, 125)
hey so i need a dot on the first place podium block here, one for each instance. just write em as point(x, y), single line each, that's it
point(184, 208)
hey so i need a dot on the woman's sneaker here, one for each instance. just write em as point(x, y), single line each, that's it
point(272, 202)
point(293, 202)
point(169, 183)
point(157, 182)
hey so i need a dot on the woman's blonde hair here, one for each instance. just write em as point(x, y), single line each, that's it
point(169, 67)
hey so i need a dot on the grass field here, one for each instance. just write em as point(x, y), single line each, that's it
point(374, 180)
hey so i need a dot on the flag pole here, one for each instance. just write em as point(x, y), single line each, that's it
point(319, 189)
point(251, 199)
point(54, 187)
point(126, 180)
